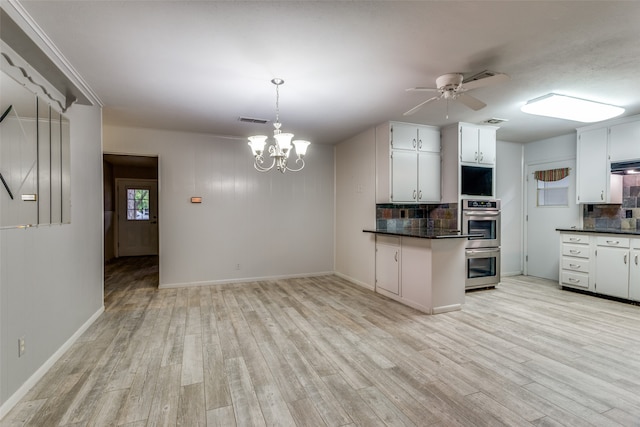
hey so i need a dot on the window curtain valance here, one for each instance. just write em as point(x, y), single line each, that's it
point(551, 174)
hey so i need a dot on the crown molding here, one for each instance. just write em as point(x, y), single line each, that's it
point(66, 74)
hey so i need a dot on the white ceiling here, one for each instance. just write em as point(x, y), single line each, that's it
point(200, 65)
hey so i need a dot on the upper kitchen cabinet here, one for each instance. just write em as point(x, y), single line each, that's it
point(477, 144)
point(468, 153)
point(408, 163)
point(624, 142)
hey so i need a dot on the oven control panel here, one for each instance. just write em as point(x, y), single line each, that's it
point(481, 204)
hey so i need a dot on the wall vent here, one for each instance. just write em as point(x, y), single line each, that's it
point(252, 120)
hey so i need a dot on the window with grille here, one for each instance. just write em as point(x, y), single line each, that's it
point(137, 204)
point(553, 193)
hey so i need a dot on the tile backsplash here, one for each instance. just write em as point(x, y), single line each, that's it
point(407, 217)
point(625, 216)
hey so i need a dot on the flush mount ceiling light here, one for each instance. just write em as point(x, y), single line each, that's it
point(569, 108)
point(281, 148)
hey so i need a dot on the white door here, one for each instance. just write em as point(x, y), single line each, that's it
point(137, 202)
point(542, 255)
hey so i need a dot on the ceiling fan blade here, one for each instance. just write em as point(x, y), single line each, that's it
point(496, 78)
point(422, 89)
point(471, 102)
point(419, 106)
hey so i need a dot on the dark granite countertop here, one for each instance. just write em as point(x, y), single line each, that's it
point(601, 231)
point(423, 233)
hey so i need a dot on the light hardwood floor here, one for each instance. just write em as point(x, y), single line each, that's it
point(321, 351)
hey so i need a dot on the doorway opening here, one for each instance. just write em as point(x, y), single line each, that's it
point(130, 191)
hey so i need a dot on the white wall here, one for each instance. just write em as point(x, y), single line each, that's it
point(509, 189)
point(51, 282)
point(356, 208)
point(547, 150)
point(270, 224)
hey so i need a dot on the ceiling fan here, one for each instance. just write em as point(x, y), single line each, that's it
point(453, 86)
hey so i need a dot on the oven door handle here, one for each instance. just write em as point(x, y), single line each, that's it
point(483, 251)
point(481, 213)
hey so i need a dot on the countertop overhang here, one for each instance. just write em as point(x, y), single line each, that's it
point(600, 231)
point(425, 233)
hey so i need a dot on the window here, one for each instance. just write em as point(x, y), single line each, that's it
point(553, 193)
point(137, 204)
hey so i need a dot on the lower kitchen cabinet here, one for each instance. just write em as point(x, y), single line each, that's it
point(634, 271)
point(426, 274)
point(606, 264)
point(612, 267)
point(388, 264)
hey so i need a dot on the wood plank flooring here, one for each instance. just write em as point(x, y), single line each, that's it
point(323, 352)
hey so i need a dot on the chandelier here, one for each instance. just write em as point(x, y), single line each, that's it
point(280, 150)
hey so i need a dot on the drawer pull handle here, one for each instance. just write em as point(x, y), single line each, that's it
point(613, 242)
point(574, 265)
point(636, 259)
point(574, 251)
point(574, 239)
point(571, 279)
point(625, 259)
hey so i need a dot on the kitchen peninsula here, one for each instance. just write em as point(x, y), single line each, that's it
point(422, 268)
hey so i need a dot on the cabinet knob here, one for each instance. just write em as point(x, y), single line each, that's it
point(476, 155)
point(602, 195)
point(636, 259)
point(420, 144)
point(625, 259)
point(414, 143)
point(414, 194)
point(396, 256)
point(420, 195)
point(481, 156)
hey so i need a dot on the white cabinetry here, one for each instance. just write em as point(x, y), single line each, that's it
point(477, 144)
point(612, 266)
point(388, 264)
point(575, 262)
point(607, 264)
point(408, 163)
point(469, 145)
point(634, 270)
point(624, 142)
point(594, 182)
point(426, 274)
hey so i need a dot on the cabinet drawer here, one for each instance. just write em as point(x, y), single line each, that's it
point(613, 241)
point(575, 238)
point(575, 264)
point(575, 279)
point(581, 251)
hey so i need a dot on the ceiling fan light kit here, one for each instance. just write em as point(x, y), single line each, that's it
point(452, 86)
point(280, 150)
point(570, 108)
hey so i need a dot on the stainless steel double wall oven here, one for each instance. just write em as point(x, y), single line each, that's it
point(482, 216)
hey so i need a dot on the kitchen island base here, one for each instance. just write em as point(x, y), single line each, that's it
point(425, 274)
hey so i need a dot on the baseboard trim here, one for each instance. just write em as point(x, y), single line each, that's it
point(511, 273)
point(241, 280)
point(354, 281)
point(42, 370)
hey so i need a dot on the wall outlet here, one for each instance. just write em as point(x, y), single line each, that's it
point(237, 266)
point(21, 346)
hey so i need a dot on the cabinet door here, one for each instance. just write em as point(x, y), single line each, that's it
point(634, 275)
point(428, 177)
point(592, 177)
point(487, 146)
point(612, 271)
point(468, 144)
point(388, 264)
point(428, 139)
point(404, 136)
point(624, 142)
point(404, 176)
